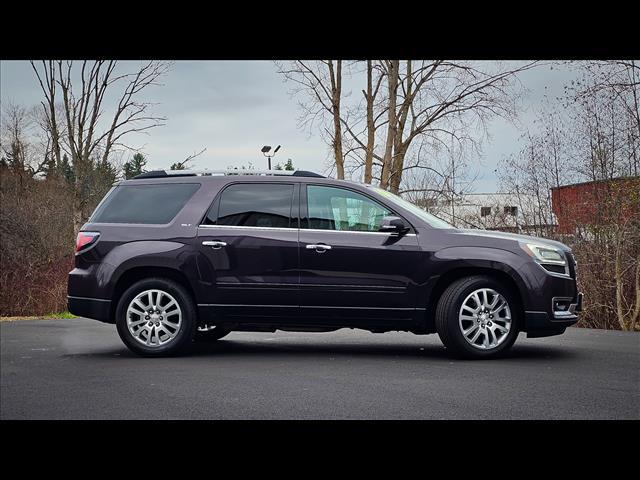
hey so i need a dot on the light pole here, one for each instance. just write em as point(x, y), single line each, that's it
point(265, 151)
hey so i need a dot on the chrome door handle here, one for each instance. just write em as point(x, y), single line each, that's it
point(319, 247)
point(216, 245)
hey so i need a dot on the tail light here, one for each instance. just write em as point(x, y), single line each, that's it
point(85, 240)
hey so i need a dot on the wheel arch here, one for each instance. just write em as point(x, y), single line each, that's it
point(446, 279)
point(135, 274)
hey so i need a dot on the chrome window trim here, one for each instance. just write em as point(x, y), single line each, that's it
point(320, 230)
point(243, 227)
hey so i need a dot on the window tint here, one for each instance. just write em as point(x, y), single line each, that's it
point(254, 205)
point(331, 208)
point(144, 203)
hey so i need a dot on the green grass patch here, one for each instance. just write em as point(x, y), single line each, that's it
point(60, 315)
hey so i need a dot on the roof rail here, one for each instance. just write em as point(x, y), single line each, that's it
point(211, 173)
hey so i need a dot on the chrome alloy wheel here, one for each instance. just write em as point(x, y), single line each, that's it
point(154, 318)
point(485, 319)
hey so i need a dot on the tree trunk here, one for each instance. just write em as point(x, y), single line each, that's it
point(371, 133)
point(392, 126)
point(337, 145)
point(78, 217)
point(636, 310)
point(619, 285)
point(336, 92)
point(399, 146)
point(398, 165)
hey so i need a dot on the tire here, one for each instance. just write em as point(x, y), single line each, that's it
point(167, 339)
point(211, 335)
point(486, 337)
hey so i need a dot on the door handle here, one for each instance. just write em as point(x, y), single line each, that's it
point(216, 245)
point(319, 247)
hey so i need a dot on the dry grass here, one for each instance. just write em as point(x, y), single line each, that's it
point(50, 316)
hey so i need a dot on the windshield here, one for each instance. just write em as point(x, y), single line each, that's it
point(432, 220)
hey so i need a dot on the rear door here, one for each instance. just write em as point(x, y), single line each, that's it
point(250, 242)
point(347, 267)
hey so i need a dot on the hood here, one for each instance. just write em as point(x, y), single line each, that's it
point(514, 236)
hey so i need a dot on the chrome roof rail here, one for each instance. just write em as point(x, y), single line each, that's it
point(212, 173)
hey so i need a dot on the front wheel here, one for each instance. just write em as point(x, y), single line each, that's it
point(156, 317)
point(477, 317)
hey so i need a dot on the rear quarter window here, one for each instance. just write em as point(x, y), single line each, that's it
point(146, 204)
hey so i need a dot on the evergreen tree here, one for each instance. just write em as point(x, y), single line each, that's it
point(65, 169)
point(289, 165)
point(135, 166)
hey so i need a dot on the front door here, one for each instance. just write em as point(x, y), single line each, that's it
point(249, 241)
point(347, 267)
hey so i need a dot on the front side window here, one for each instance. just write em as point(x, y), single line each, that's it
point(145, 204)
point(425, 216)
point(254, 205)
point(331, 208)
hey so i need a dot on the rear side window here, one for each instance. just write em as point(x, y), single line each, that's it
point(253, 205)
point(151, 204)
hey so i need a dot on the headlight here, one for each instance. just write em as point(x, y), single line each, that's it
point(545, 254)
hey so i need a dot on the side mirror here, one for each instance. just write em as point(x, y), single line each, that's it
point(393, 225)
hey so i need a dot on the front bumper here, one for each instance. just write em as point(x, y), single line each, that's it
point(542, 324)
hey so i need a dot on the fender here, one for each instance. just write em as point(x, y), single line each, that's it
point(461, 257)
point(153, 253)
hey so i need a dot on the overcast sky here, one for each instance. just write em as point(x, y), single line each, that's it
point(233, 108)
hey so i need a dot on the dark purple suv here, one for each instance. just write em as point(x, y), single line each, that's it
point(175, 257)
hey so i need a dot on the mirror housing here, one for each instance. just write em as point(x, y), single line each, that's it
point(393, 225)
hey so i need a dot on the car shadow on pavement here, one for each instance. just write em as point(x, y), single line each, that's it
point(274, 349)
point(268, 348)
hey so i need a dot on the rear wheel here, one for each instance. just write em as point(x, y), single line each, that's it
point(156, 317)
point(477, 317)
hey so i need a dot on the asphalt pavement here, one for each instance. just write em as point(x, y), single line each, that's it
point(79, 369)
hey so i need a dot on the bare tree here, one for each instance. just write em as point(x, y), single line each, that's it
point(441, 100)
point(321, 82)
point(435, 100)
point(373, 86)
point(544, 162)
point(15, 123)
point(591, 137)
point(610, 132)
point(362, 121)
point(87, 137)
point(440, 186)
point(183, 164)
point(52, 114)
point(605, 111)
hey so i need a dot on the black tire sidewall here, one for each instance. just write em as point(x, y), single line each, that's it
point(178, 344)
point(456, 340)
